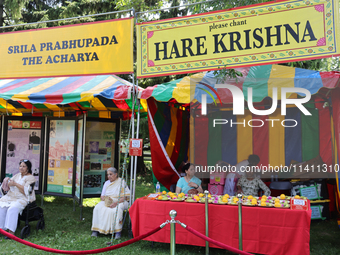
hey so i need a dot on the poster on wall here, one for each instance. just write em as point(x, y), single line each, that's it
point(60, 158)
point(99, 154)
point(93, 182)
point(79, 157)
point(23, 142)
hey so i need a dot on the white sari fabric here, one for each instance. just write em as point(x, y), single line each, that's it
point(104, 217)
point(14, 198)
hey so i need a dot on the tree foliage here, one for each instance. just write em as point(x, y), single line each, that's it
point(10, 10)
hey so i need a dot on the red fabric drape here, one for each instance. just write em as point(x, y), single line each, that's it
point(161, 168)
point(335, 96)
point(325, 132)
point(265, 230)
point(201, 140)
point(325, 135)
point(336, 116)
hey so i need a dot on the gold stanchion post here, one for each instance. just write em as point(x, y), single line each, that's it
point(206, 222)
point(172, 214)
point(239, 221)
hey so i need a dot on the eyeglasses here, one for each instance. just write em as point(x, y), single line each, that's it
point(23, 160)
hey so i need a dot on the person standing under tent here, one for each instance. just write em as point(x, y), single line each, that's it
point(105, 220)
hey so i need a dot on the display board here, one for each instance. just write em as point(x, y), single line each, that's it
point(310, 192)
point(93, 182)
point(317, 212)
point(60, 156)
point(24, 139)
point(100, 150)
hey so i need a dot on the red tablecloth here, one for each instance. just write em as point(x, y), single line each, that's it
point(265, 230)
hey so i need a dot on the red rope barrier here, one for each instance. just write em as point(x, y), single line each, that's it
point(120, 245)
point(222, 245)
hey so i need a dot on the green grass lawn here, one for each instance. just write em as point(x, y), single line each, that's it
point(65, 231)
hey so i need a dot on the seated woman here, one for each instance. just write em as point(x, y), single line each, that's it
point(249, 184)
point(189, 183)
point(16, 199)
point(105, 220)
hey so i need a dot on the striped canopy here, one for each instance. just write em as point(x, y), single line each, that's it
point(173, 131)
point(274, 143)
point(262, 78)
point(62, 96)
point(174, 140)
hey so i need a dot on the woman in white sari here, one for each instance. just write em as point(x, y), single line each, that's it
point(16, 199)
point(105, 220)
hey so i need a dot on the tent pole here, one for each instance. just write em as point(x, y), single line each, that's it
point(2, 140)
point(137, 136)
point(44, 163)
point(82, 170)
point(132, 188)
point(134, 95)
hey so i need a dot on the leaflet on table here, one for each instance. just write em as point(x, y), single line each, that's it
point(298, 204)
point(153, 195)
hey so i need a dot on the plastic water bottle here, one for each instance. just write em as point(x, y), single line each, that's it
point(158, 187)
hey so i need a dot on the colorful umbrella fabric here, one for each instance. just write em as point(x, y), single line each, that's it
point(63, 95)
point(276, 145)
point(262, 78)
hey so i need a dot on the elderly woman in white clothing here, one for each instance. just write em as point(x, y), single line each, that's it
point(16, 199)
point(105, 220)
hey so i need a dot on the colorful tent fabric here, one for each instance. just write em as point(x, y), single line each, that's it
point(263, 78)
point(169, 141)
point(102, 94)
point(276, 145)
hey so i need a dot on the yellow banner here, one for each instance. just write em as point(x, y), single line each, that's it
point(82, 49)
point(277, 32)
